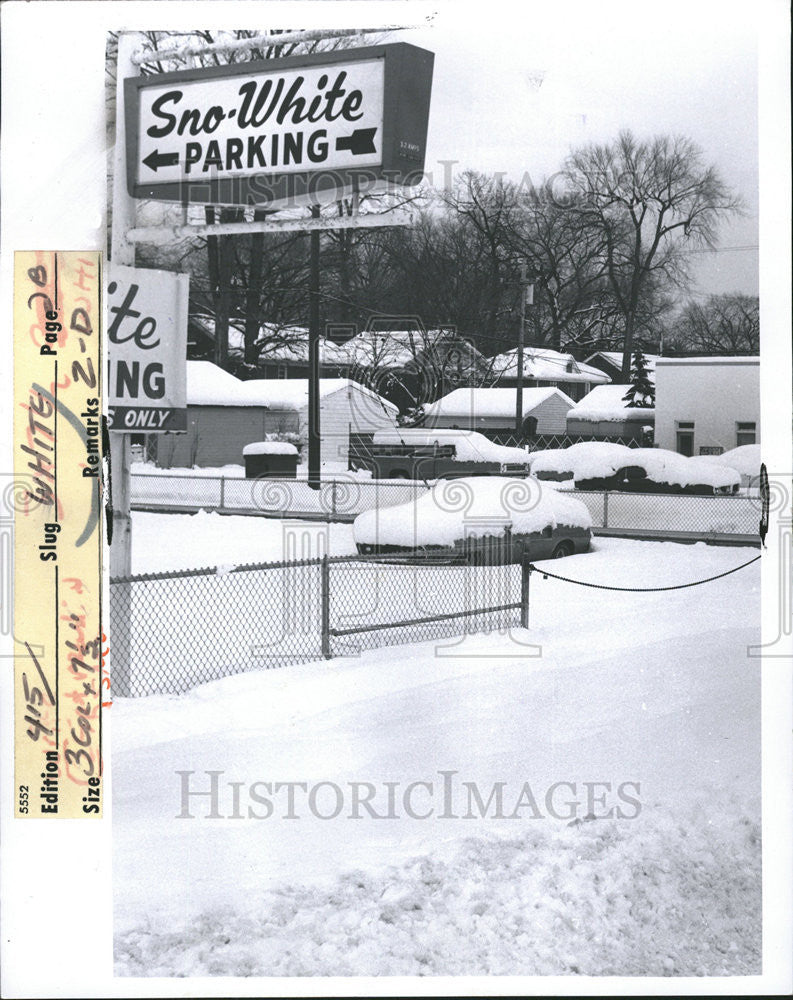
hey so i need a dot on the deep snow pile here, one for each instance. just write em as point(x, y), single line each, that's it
point(628, 687)
point(593, 899)
point(471, 507)
point(469, 446)
point(601, 459)
point(163, 542)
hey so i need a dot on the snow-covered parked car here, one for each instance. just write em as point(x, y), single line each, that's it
point(601, 465)
point(745, 459)
point(442, 453)
point(483, 519)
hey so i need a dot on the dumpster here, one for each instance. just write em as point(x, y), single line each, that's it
point(276, 459)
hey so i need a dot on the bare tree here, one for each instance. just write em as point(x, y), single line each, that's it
point(652, 202)
point(723, 324)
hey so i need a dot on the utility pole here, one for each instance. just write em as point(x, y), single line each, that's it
point(122, 252)
point(313, 358)
point(526, 298)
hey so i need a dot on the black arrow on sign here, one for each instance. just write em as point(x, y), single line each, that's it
point(361, 141)
point(156, 159)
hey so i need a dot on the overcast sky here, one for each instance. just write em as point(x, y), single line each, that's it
point(671, 67)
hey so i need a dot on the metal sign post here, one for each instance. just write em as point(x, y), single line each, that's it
point(314, 431)
point(122, 252)
point(521, 335)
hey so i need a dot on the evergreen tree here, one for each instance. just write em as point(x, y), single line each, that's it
point(642, 391)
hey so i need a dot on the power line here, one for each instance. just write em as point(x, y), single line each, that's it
point(748, 246)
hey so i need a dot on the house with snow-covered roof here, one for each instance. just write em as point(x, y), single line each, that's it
point(545, 368)
point(603, 415)
point(224, 414)
point(610, 363)
point(491, 410)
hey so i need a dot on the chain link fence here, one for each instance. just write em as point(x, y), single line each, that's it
point(173, 631)
point(344, 499)
point(660, 513)
point(336, 500)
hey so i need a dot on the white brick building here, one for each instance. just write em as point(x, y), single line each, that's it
point(707, 405)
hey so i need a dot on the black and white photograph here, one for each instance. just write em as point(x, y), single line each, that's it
point(447, 496)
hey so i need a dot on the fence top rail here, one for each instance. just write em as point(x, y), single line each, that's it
point(415, 483)
point(664, 496)
point(412, 559)
point(406, 483)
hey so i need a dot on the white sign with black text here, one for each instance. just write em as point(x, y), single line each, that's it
point(147, 350)
point(303, 118)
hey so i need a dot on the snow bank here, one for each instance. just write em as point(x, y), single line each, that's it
point(196, 472)
point(165, 542)
point(475, 402)
point(470, 446)
point(471, 507)
point(605, 402)
point(656, 897)
point(269, 448)
point(629, 686)
point(601, 459)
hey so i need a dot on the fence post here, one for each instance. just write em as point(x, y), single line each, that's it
point(525, 573)
point(325, 606)
point(605, 508)
point(333, 499)
point(222, 492)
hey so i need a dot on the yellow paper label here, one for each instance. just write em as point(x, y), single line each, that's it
point(57, 500)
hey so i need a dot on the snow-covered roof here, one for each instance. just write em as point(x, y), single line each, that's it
point(470, 446)
point(601, 459)
point(292, 393)
point(715, 359)
point(605, 402)
point(615, 358)
point(546, 365)
point(471, 402)
point(209, 385)
point(493, 503)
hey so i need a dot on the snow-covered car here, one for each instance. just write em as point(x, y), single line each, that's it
point(483, 519)
point(745, 459)
point(442, 453)
point(601, 465)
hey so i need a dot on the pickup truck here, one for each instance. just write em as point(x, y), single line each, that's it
point(441, 453)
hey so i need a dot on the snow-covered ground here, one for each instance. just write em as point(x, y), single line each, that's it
point(163, 542)
point(629, 688)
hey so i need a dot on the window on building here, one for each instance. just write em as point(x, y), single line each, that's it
point(283, 371)
point(746, 433)
point(685, 438)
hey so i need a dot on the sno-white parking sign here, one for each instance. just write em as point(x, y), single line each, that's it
point(147, 350)
point(284, 121)
point(260, 131)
